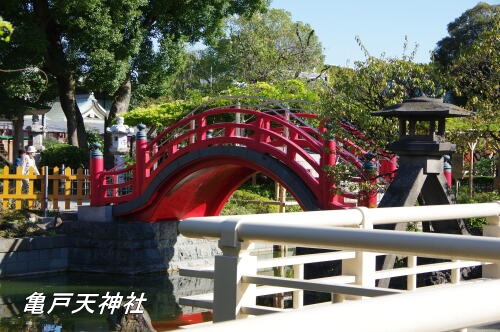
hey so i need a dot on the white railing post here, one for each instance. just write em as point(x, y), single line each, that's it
point(456, 274)
point(492, 229)
point(298, 295)
point(230, 293)
point(363, 265)
point(411, 279)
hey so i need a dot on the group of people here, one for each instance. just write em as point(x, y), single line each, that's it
point(26, 160)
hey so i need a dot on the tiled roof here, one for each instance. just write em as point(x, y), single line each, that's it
point(93, 115)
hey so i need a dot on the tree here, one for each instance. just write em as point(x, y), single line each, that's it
point(163, 113)
point(5, 30)
point(23, 84)
point(97, 44)
point(474, 76)
point(464, 31)
point(70, 40)
point(266, 47)
point(468, 65)
point(352, 94)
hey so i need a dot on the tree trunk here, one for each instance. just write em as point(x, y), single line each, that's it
point(18, 139)
point(82, 135)
point(67, 97)
point(58, 66)
point(121, 103)
point(472, 147)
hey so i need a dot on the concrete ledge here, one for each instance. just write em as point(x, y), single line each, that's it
point(95, 213)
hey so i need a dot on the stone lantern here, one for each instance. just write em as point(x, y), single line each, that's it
point(420, 176)
point(421, 147)
point(422, 126)
point(119, 140)
point(37, 130)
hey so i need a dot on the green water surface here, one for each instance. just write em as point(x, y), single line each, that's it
point(157, 288)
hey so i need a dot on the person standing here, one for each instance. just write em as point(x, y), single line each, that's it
point(28, 161)
point(19, 159)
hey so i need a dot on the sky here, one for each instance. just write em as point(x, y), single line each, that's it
point(381, 25)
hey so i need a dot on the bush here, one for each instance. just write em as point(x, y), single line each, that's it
point(64, 154)
point(239, 204)
point(50, 141)
point(264, 187)
point(481, 183)
point(479, 197)
point(15, 224)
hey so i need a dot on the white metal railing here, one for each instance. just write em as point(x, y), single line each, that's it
point(351, 234)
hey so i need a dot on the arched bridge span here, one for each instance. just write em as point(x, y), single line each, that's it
point(193, 167)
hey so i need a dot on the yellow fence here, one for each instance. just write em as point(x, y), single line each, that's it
point(49, 189)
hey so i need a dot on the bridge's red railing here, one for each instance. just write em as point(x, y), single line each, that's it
point(288, 136)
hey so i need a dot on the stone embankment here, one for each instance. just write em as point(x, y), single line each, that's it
point(125, 248)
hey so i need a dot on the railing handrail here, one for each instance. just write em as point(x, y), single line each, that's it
point(236, 275)
point(400, 312)
point(212, 227)
point(400, 242)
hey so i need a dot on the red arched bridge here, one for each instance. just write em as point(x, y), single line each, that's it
point(193, 167)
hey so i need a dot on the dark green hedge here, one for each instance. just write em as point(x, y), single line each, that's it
point(64, 154)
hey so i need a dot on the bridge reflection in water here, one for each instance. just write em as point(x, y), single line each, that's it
point(162, 291)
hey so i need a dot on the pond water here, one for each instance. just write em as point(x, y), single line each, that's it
point(160, 290)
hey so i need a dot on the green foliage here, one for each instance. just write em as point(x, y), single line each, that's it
point(479, 197)
point(156, 69)
point(64, 154)
point(239, 204)
point(264, 187)
point(481, 183)
point(287, 90)
point(49, 141)
point(161, 114)
point(94, 137)
point(270, 46)
point(468, 65)
point(5, 30)
point(251, 198)
point(474, 76)
point(484, 167)
point(266, 47)
point(464, 31)
point(353, 94)
point(105, 46)
point(15, 224)
point(23, 84)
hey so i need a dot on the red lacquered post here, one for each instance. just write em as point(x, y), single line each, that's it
point(96, 178)
point(447, 169)
point(328, 158)
point(141, 159)
point(369, 196)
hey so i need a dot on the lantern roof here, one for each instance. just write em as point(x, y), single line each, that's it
point(424, 108)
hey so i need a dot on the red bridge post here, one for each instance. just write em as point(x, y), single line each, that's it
point(447, 170)
point(142, 158)
point(368, 196)
point(96, 178)
point(328, 158)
